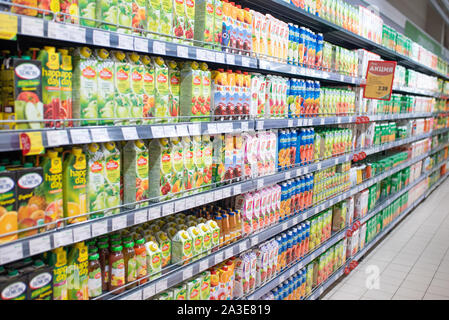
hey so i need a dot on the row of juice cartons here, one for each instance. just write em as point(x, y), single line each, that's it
point(331, 182)
point(299, 286)
point(404, 77)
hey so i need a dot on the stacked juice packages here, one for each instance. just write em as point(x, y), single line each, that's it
point(305, 48)
point(269, 37)
point(296, 196)
point(341, 13)
point(330, 182)
point(233, 30)
point(340, 60)
point(295, 147)
point(334, 101)
point(304, 98)
point(320, 228)
point(332, 142)
point(293, 245)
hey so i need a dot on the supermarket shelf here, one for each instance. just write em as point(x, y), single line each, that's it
point(398, 143)
point(336, 34)
point(415, 91)
point(318, 291)
point(268, 286)
point(442, 179)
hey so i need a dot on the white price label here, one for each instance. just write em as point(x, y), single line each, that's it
point(230, 59)
point(182, 130)
point(342, 78)
point(63, 238)
point(287, 175)
point(212, 128)
point(182, 52)
point(135, 296)
point(39, 245)
point(119, 223)
point(290, 123)
point(306, 170)
point(80, 136)
point(101, 38)
point(161, 285)
point(187, 273)
point(218, 195)
point(81, 233)
point(260, 183)
point(322, 121)
point(210, 56)
point(264, 64)
point(170, 131)
point(149, 291)
point(157, 132)
point(227, 192)
point(220, 57)
point(141, 44)
point(245, 126)
point(130, 133)
point(11, 253)
point(32, 26)
point(199, 200)
point(245, 62)
point(76, 34)
point(338, 120)
point(204, 264)
point(218, 257)
point(300, 123)
point(201, 54)
point(298, 172)
point(259, 125)
point(57, 30)
point(229, 253)
point(57, 138)
point(159, 48)
point(126, 42)
point(318, 166)
point(195, 129)
point(141, 216)
point(100, 135)
point(154, 213)
point(237, 189)
point(167, 208)
point(254, 240)
point(281, 279)
point(284, 226)
point(180, 205)
point(295, 221)
point(99, 228)
point(242, 246)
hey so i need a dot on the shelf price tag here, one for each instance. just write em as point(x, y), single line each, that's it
point(167, 208)
point(170, 131)
point(157, 132)
point(63, 238)
point(245, 62)
point(260, 183)
point(141, 216)
point(81, 233)
point(32, 26)
point(218, 195)
point(201, 54)
point(229, 253)
point(212, 128)
point(242, 246)
point(126, 42)
point(154, 212)
point(182, 52)
point(218, 257)
point(219, 57)
point(149, 291)
point(199, 200)
point(180, 205)
point(100, 135)
point(204, 264)
point(57, 30)
point(187, 273)
point(259, 125)
point(159, 48)
point(130, 133)
point(76, 34)
point(99, 228)
point(39, 245)
point(101, 38)
point(287, 175)
point(237, 189)
point(210, 56)
point(140, 44)
point(244, 126)
point(254, 240)
point(57, 138)
point(11, 253)
point(119, 223)
point(136, 296)
point(161, 285)
point(80, 136)
point(227, 192)
point(195, 129)
point(230, 59)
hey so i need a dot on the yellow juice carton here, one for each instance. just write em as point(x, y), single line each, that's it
point(207, 238)
point(207, 159)
point(112, 169)
point(154, 259)
point(106, 104)
point(96, 195)
point(205, 285)
point(198, 177)
point(191, 91)
point(164, 243)
point(182, 247)
point(180, 292)
point(135, 171)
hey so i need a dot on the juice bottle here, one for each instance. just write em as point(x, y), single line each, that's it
point(148, 89)
point(124, 18)
point(136, 168)
point(57, 259)
point(77, 272)
point(107, 13)
point(106, 88)
point(141, 260)
point(74, 185)
point(96, 192)
point(94, 282)
point(52, 184)
point(130, 264)
point(112, 169)
point(117, 269)
point(103, 252)
point(65, 85)
point(8, 196)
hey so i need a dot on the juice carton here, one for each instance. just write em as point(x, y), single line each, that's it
point(74, 174)
point(166, 18)
point(207, 147)
point(154, 259)
point(218, 24)
point(112, 161)
point(206, 85)
point(189, 166)
point(135, 171)
point(207, 238)
point(164, 243)
point(13, 286)
point(122, 82)
point(193, 289)
point(174, 74)
point(87, 10)
point(124, 18)
point(179, 19)
point(148, 89)
point(238, 156)
point(30, 198)
point(39, 281)
point(197, 242)
point(180, 292)
point(205, 285)
point(160, 168)
point(52, 187)
point(106, 104)
point(8, 199)
point(191, 91)
point(96, 193)
point(77, 272)
point(65, 85)
point(139, 16)
point(229, 156)
point(24, 11)
point(219, 87)
point(162, 91)
point(204, 21)
point(189, 23)
point(57, 259)
point(71, 11)
point(107, 12)
point(85, 103)
point(198, 178)
point(153, 14)
point(218, 163)
point(136, 95)
point(215, 230)
point(182, 247)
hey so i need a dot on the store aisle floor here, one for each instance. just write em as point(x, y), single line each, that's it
point(411, 263)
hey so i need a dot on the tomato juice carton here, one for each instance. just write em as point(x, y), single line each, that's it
point(8, 206)
point(174, 75)
point(179, 19)
point(108, 13)
point(25, 11)
point(135, 172)
point(154, 259)
point(85, 103)
point(189, 23)
point(106, 104)
point(182, 247)
point(149, 89)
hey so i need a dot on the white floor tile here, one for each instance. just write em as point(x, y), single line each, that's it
point(441, 275)
point(419, 278)
point(414, 285)
point(344, 296)
point(442, 291)
point(352, 289)
point(378, 295)
point(430, 296)
point(413, 294)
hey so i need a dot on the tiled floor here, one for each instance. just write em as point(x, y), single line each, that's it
point(411, 263)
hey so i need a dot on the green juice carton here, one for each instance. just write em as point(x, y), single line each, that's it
point(189, 166)
point(177, 178)
point(107, 12)
point(179, 19)
point(154, 259)
point(139, 16)
point(161, 168)
point(218, 163)
point(165, 296)
point(174, 75)
point(122, 82)
point(189, 23)
point(207, 146)
point(52, 187)
point(136, 75)
point(197, 241)
point(180, 292)
point(65, 85)
point(182, 247)
point(215, 231)
point(205, 285)
point(96, 195)
point(106, 104)
point(207, 238)
point(162, 91)
point(77, 272)
point(204, 21)
point(88, 10)
point(135, 173)
point(149, 89)
point(85, 103)
point(153, 22)
point(191, 91)
point(198, 178)
point(218, 23)
point(74, 172)
point(112, 169)
point(206, 94)
point(164, 243)
point(57, 259)
point(193, 289)
point(124, 18)
point(166, 19)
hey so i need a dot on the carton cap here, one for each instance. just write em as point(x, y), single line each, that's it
point(38, 263)
point(13, 273)
point(28, 165)
point(2, 168)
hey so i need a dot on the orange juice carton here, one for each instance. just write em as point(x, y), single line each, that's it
point(138, 16)
point(227, 26)
point(8, 205)
point(204, 21)
point(207, 146)
point(25, 11)
point(247, 31)
point(182, 247)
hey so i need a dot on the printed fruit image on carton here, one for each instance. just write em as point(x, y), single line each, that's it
point(8, 223)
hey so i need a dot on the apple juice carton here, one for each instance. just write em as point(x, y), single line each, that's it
point(70, 9)
point(106, 104)
point(162, 91)
point(206, 233)
point(153, 14)
point(177, 163)
point(87, 10)
point(207, 146)
point(218, 163)
point(218, 24)
point(124, 18)
point(122, 82)
point(52, 186)
point(96, 195)
point(164, 243)
point(148, 89)
point(191, 91)
point(8, 199)
point(166, 19)
point(205, 285)
point(161, 169)
point(197, 242)
point(204, 22)
point(154, 259)
point(57, 259)
point(215, 230)
point(136, 96)
point(189, 23)
point(135, 172)
point(182, 247)
point(107, 13)
point(198, 178)
point(112, 169)
point(206, 85)
point(174, 75)
point(85, 103)
point(189, 166)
